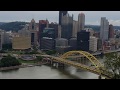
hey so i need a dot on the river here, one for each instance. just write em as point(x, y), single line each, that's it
point(46, 72)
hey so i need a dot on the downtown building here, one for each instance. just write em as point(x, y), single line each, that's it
point(67, 26)
point(81, 21)
point(33, 28)
point(62, 13)
point(83, 38)
point(93, 44)
point(42, 25)
point(104, 29)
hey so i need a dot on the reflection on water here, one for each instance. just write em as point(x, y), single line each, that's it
point(46, 72)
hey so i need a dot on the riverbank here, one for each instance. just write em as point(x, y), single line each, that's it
point(21, 66)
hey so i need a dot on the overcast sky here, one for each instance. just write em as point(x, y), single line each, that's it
point(91, 17)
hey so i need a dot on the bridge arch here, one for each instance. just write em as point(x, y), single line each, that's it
point(89, 56)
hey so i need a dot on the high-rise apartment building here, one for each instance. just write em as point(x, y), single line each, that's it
point(61, 13)
point(81, 21)
point(104, 29)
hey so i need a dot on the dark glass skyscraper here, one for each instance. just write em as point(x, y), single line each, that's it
point(60, 15)
point(83, 38)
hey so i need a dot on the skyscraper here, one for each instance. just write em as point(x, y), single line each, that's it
point(104, 29)
point(75, 28)
point(111, 31)
point(61, 13)
point(83, 38)
point(67, 26)
point(34, 31)
point(81, 21)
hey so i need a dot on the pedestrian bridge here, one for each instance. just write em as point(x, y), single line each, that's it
point(97, 69)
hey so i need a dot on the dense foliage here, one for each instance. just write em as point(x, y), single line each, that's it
point(50, 52)
point(112, 64)
point(13, 26)
point(39, 58)
point(9, 61)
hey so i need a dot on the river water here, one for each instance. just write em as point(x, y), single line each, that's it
point(46, 72)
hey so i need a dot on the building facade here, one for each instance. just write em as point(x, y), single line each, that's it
point(104, 29)
point(83, 38)
point(75, 28)
point(34, 32)
point(81, 21)
point(67, 26)
point(21, 43)
point(47, 43)
point(93, 44)
point(111, 31)
point(61, 13)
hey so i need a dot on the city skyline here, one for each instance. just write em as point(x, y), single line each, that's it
point(92, 17)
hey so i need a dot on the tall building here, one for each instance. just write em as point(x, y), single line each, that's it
point(75, 28)
point(93, 44)
point(42, 25)
point(83, 40)
point(1, 39)
point(59, 31)
point(61, 13)
point(67, 26)
point(33, 30)
point(81, 21)
point(104, 29)
point(111, 31)
point(55, 27)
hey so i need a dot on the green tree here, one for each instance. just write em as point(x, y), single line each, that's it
point(39, 58)
point(50, 52)
point(112, 63)
point(9, 61)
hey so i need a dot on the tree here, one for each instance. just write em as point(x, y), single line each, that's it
point(112, 63)
point(9, 61)
point(39, 58)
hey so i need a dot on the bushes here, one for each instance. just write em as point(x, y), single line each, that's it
point(9, 61)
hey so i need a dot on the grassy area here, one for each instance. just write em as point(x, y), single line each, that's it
point(24, 61)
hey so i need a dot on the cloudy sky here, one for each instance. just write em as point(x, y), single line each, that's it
point(92, 17)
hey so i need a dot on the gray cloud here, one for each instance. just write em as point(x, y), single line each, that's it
point(92, 17)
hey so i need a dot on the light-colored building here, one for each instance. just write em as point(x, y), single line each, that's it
point(25, 32)
point(93, 44)
point(75, 28)
point(59, 31)
point(104, 29)
point(81, 21)
point(33, 28)
point(21, 43)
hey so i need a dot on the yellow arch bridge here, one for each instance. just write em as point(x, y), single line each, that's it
point(98, 69)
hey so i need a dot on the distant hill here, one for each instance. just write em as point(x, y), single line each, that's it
point(2, 23)
point(13, 26)
point(97, 27)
